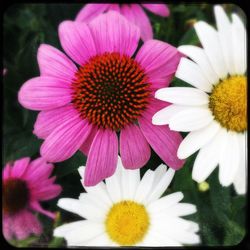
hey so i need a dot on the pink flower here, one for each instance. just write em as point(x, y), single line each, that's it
point(83, 108)
point(25, 184)
point(133, 12)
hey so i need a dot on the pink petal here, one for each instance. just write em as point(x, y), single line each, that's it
point(35, 205)
point(159, 60)
point(40, 185)
point(142, 21)
point(53, 62)
point(47, 182)
point(36, 187)
point(164, 141)
point(158, 9)
point(128, 13)
point(46, 192)
point(41, 93)
point(21, 225)
point(25, 223)
point(20, 167)
point(102, 159)
point(114, 7)
point(66, 139)
point(113, 33)
point(29, 224)
point(18, 226)
point(134, 148)
point(48, 120)
point(77, 41)
point(7, 227)
point(158, 83)
point(33, 223)
point(85, 147)
point(39, 170)
point(90, 11)
point(7, 171)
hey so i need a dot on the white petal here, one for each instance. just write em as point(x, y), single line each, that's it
point(174, 223)
point(162, 117)
point(161, 186)
point(225, 37)
point(101, 240)
point(194, 227)
point(93, 200)
point(183, 237)
point(241, 176)
point(159, 239)
point(189, 238)
point(229, 158)
point(83, 209)
point(191, 73)
point(182, 209)
point(86, 231)
point(197, 139)
point(81, 171)
point(171, 208)
point(100, 191)
point(130, 182)
point(175, 228)
point(165, 202)
point(207, 159)
point(198, 55)
point(239, 45)
point(113, 183)
point(182, 96)
point(191, 119)
point(209, 39)
point(145, 186)
point(71, 205)
point(159, 173)
point(61, 231)
point(176, 210)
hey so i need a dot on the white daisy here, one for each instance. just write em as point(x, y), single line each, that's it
point(214, 112)
point(127, 211)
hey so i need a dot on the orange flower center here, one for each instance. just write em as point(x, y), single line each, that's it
point(110, 91)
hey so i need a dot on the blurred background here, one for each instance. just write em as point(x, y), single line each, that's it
point(221, 212)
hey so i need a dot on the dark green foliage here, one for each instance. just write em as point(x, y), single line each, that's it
point(221, 212)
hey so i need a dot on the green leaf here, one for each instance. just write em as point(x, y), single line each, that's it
point(157, 27)
point(234, 233)
point(220, 197)
point(24, 243)
point(71, 165)
point(183, 180)
point(238, 206)
point(56, 242)
point(189, 37)
point(176, 82)
point(238, 203)
point(20, 145)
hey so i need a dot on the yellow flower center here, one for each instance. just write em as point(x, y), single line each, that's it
point(127, 222)
point(228, 103)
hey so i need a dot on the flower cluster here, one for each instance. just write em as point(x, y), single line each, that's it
point(108, 96)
